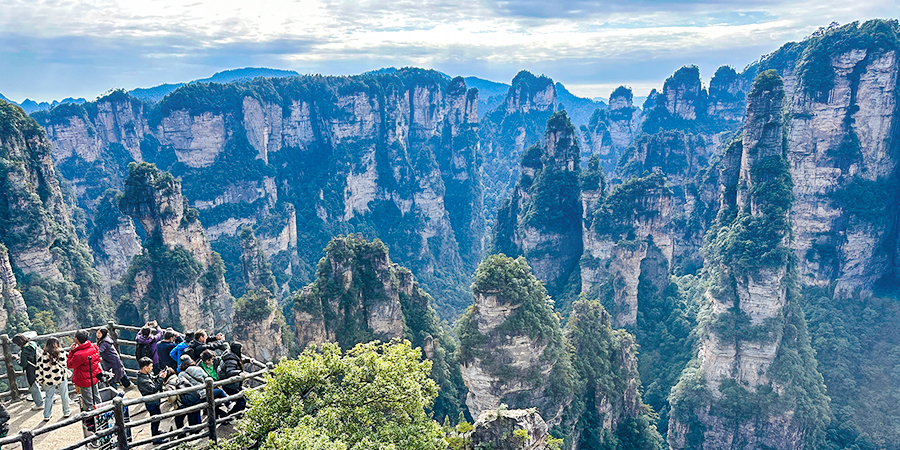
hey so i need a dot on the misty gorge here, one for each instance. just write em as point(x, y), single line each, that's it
point(712, 263)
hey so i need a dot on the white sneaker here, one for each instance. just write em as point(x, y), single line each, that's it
point(46, 419)
point(37, 408)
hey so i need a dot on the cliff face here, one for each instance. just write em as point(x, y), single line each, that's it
point(517, 429)
point(843, 151)
point(14, 312)
point(542, 219)
point(36, 227)
point(754, 348)
point(389, 154)
point(512, 348)
point(609, 132)
point(360, 295)
point(514, 126)
point(114, 240)
point(177, 279)
point(258, 322)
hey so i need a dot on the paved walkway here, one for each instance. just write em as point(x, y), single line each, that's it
point(22, 417)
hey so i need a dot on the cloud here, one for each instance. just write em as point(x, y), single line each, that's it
point(56, 48)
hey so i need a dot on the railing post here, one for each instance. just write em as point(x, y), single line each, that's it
point(121, 431)
point(211, 415)
point(10, 371)
point(111, 327)
point(27, 439)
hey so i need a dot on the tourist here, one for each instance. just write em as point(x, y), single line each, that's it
point(179, 349)
point(53, 375)
point(202, 343)
point(4, 421)
point(169, 341)
point(208, 364)
point(190, 376)
point(111, 359)
point(232, 365)
point(84, 360)
point(150, 384)
point(146, 343)
point(28, 361)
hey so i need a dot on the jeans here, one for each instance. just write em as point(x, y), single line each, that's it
point(36, 395)
point(90, 396)
point(49, 391)
point(153, 409)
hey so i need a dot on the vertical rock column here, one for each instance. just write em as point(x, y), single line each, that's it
point(755, 384)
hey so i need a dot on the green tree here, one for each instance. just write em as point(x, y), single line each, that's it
point(372, 396)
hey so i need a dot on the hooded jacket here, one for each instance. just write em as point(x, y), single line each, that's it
point(152, 341)
point(77, 360)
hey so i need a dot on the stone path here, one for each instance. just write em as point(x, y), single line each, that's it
point(22, 417)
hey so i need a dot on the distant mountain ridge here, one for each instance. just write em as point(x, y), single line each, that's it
point(156, 93)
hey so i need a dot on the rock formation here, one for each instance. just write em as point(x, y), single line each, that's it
point(392, 153)
point(36, 227)
point(113, 240)
point(510, 429)
point(754, 348)
point(14, 312)
point(258, 323)
point(360, 295)
point(609, 132)
point(511, 346)
point(542, 220)
point(178, 279)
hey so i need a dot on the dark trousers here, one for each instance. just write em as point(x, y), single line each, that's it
point(153, 409)
point(193, 418)
point(239, 404)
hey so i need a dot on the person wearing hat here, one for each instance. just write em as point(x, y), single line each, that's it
point(28, 357)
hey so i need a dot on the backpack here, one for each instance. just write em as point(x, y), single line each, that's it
point(143, 349)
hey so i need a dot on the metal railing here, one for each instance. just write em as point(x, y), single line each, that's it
point(122, 426)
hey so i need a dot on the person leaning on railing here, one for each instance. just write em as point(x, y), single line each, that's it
point(232, 365)
point(190, 376)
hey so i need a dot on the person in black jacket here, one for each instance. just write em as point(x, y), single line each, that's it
point(202, 343)
point(232, 365)
point(150, 384)
point(28, 360)
point(164, 347)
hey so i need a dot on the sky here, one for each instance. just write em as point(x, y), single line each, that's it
point(52, 49)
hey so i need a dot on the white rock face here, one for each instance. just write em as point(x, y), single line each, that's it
point(816, 133)
point(77, 138)
point(196, 140)
point(13, 304)
point(117, 247)
point(264, 127)
point(494, 429)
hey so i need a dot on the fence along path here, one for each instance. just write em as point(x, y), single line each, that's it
point(67, 434)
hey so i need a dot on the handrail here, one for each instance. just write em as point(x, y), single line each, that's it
point(120, 429)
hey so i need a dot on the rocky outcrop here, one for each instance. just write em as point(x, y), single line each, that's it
point(113, 240)
point(256, 270)
point(260, 326)
point(610, 131)
point(511, 346)
point(510, 429)
point(842, 148)
point(754, 347)
point(542, 220)
point(36, 227)
point(177, 279)
point(393, 154)
point(633, 223)
point(14, 312)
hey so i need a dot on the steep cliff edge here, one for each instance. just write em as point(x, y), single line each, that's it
point(177, 279)
point(113, 239)
point(53, 268)
point(755, 383)
point(360, 295)
point(542, 219)
point(610, 131)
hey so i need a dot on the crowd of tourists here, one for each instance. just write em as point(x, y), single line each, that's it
point(167, 360)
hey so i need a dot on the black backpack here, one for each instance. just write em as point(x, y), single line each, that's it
point(143, 350)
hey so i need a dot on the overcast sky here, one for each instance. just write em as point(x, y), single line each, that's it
point(51, 49)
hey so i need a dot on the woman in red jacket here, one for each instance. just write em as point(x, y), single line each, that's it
point(84, 360)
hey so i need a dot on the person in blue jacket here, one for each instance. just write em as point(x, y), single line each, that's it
point(179, 349)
